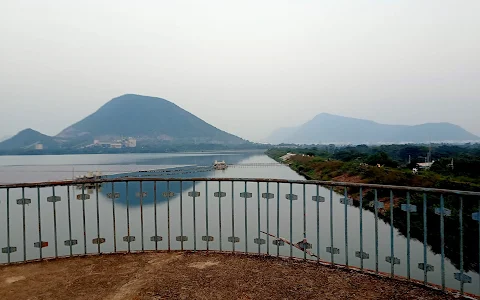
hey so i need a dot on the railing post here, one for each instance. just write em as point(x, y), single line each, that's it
point(55, 223)
point(304, 220)
point(408, 236)
point(246, 224)
point(8, 225)
point(392, 241)
point(268, 221)
point(155, 212)
point(168, 219)
point(128, 215)
point(220, 215)
point(141, 215)
point(425, 238)
point(442, 240)
point(460, 217)
point(39, 224)
point(233, 217)
point(98, 215)
point(84, 222)
point(361, 229)
point(114, 221)
point(69, 218)
point(194, 220)
point(346, 227)
point(318, 225)
point(258, 216)
point(181, 213)
point(376, 231)
point(478, 263)
point(206, 215)
point(331, 226)
point(24, 227)
point(291, 222)
point(278, 218)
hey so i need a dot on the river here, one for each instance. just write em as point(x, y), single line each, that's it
point(238, 218)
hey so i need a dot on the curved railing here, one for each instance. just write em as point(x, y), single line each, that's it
point(430, 236)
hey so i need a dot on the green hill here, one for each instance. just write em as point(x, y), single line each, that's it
point(147, 118)
point(27, 139)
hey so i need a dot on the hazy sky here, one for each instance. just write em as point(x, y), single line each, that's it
point(246, 67)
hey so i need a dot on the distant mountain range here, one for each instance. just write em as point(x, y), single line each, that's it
point(152, 121)
point(327, 128)
point(149, 120)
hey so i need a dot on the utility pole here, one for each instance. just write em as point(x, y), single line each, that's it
point(429, 156)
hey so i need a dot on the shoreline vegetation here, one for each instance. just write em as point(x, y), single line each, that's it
point(392, 165)
point(348, 165)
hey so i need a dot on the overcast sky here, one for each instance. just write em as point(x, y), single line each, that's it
point(246, 67)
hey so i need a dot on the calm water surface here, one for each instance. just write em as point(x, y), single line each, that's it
point(230, 217)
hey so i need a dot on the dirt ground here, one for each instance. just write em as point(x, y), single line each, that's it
point(195, 276)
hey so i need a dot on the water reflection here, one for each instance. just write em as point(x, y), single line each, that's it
point(202, 168)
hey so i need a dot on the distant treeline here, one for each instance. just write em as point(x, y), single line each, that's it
point(466, 158)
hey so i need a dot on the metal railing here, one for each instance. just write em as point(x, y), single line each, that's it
point(430, 236)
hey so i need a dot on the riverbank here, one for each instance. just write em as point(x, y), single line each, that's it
point(326, 169)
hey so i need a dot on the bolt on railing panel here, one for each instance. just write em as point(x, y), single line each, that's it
point(429, 235)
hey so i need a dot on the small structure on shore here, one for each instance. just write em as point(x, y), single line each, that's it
point(425, 165)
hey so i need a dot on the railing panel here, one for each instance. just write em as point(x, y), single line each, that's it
point(150, 196)
point(251, 217)
point(317, 213)
point(197, 204)
point(428, 236)
point(47, 217)
point(232, 212)
point(164, 193)
point(14, 226)
point(179, 203)
point(134, 216)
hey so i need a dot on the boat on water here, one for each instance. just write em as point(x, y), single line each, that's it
point(87, 177)
point(220, 165)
